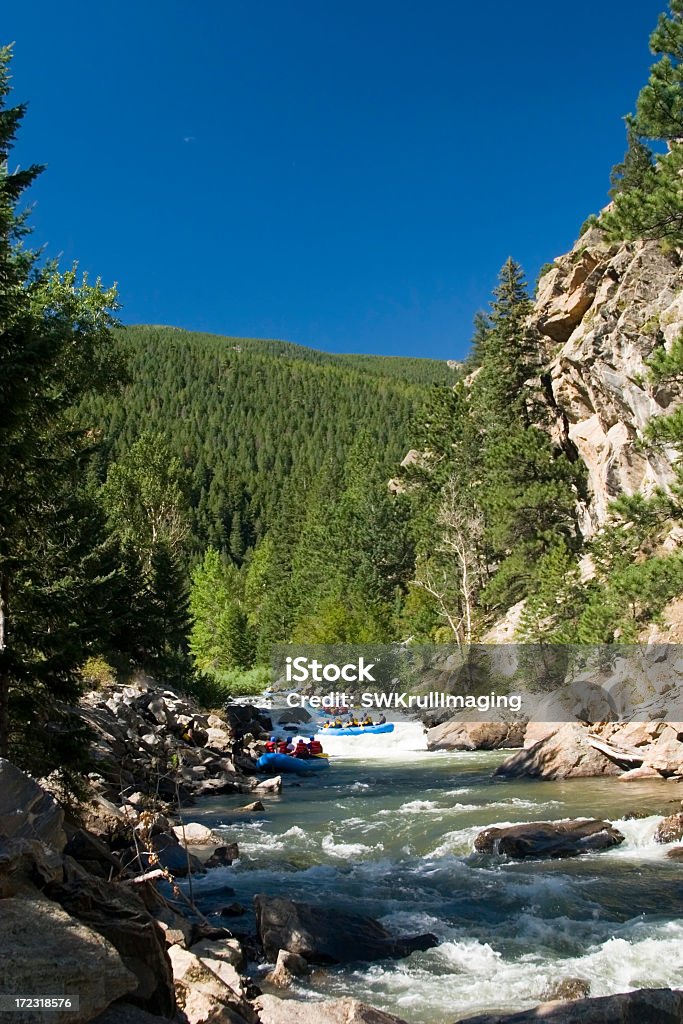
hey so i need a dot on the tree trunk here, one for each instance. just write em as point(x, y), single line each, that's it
point(4, 674)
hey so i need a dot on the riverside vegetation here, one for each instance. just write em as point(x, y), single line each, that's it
point(179, 503)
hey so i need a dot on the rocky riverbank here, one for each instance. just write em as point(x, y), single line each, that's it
point(100, 878)
point(629, 751)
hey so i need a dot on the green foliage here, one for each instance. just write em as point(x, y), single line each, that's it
point(492, 498)
point(243, 683)
point(589, 223)
point(553, 606)
point(248, 420)
point(56, 563)
point(145, 497)
point(636, 167)
point(221, 637)
point(647, 193)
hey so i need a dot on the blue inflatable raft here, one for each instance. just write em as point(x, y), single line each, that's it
point(285, 763)
point(358, 730)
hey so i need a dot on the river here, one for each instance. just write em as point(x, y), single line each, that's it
point(389, 831)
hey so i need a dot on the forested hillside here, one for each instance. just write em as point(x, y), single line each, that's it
point(252, 421)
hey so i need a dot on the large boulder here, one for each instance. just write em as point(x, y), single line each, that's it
point(26, 864)
point(44, 951)
point(323, 937)
point(646, 1006)
point(273, 1010)
point(670, 830)
point(458, 735)
point(194, 834)
point(203, 996)
point(549, 839)
point(27, 811)
point(121, 917)
point(557, 751)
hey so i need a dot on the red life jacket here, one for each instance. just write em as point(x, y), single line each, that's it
point(315, 747)
point(270, 747)
point(282, 747)
point(301, 749)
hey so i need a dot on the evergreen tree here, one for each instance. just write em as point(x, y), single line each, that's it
point(659, 110)
point(213, 593)
point(636, 169)
point(55, 347)
point(648, 197)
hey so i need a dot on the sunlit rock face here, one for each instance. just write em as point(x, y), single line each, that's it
point(600, 313)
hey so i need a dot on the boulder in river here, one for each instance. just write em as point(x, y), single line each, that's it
point(549, 838)
point(273, 1010)
point(670, 830)
point(645, 1006)
point(456, 734)
point(557, 751)
point(287, 967)
point(323, 937)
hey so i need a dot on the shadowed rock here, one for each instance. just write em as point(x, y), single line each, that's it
point(328, 938)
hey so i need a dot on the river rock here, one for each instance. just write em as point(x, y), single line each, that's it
point(563, 751)
point(203, 996)
point(228, 950)
point(169, 853)
point(323, 937)
point(250, 808)
point(27, 811)
point(288, 967)
point(121, 917)
point(458, 735)
point(675, 853)
point(273, 785)
point(645, 1006)
point(567, 988)
point(273, 1010)
point(223, 856)
point(45, 951)
point(549, 839)
point(194, 834)
point(645, 771)
point(670, 830)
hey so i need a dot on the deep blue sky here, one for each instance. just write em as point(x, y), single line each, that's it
point(347, 174)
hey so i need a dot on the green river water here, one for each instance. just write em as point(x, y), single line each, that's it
point(389, 831)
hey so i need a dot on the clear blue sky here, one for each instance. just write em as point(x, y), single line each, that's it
point(347, 174)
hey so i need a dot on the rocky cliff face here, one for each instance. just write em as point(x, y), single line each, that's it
point(600, 313)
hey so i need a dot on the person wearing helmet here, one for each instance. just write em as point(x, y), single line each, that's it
point(301, 750)
point(271, 745)
point(315, 747)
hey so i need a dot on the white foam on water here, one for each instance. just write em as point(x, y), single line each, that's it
point(640, 839)
point(407, 738)
point(345, 850)
point(463, 976)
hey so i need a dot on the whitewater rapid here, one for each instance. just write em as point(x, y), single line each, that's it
point(389, 832)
